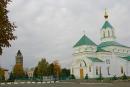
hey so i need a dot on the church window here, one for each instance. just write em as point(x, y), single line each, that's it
point(107, 61)
point(72, 71)
point(80, 65)
point(113, 50)
point(89, 68)
point(104, 34)
point(108, 70)
point(100, 70)
point(108, 33)
point(122, 70)
point(96, 70)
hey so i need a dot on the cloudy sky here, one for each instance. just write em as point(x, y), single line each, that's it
point(49, 28)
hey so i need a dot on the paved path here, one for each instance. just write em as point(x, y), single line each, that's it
point(66, 84)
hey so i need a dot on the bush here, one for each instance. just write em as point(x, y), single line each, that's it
point(72, 76)
point(100, 77)
point(86, 77)
point(114, 78)
point(124, 77)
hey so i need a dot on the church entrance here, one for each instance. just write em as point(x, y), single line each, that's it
point(81, 73)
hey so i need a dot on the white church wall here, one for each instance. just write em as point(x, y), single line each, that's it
point(121, 51)
point(128, 68)
point(116, 65)
point(85, 48)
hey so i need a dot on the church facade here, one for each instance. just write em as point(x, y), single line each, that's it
point(108, 59)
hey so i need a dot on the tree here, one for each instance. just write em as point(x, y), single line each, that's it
point(18, 71)
point(41, 69)
point(2, 74)
point(6, 27)
point(35, 73)
point(11, 77)
point(57, 68)
point(50, 69)
point(65, 73)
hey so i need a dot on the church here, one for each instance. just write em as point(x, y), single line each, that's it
point(108, 59)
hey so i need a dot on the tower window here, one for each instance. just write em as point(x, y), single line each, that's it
point(108, 33)
point(104, 34)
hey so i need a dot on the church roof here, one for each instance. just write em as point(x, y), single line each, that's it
point(84, 41)
point(110, 43)
point(101, 50)
point(94, 59)
point(107, 25)
point(126, 58)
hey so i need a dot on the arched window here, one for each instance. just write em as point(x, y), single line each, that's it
point(122, 70)
point(96, 70)
point(89, 68)
point(108, 70)
point(100, 70)
point(72, 71)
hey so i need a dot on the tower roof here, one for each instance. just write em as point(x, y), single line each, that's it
point(107, 25)
point(84, 41)
point(94, 59)
point(19, 52)
point(111, 43)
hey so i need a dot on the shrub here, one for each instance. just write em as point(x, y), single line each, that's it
point(100, 77)
point(72, 76)
point(86, 77)
point(124, 77)
point(114, 78)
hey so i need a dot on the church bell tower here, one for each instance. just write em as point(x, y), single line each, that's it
point(107, 30)
point(19, 58)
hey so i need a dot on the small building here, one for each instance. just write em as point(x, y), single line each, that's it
point(6, 73)
point(30, 73)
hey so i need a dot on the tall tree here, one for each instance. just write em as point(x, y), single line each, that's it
point(18, 71)
point(6, 27)
point(57, 68)
point(65, 73)
point(42, 68)
point(50, 69)
point(35, 73)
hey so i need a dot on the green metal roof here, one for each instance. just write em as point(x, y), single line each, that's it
point(101, 50)
point(110, 43)
point(94, 59)
point(126, 58)
point(107, 25)
point(84, 41)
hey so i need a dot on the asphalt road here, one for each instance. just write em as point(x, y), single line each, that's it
point(68, 84)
